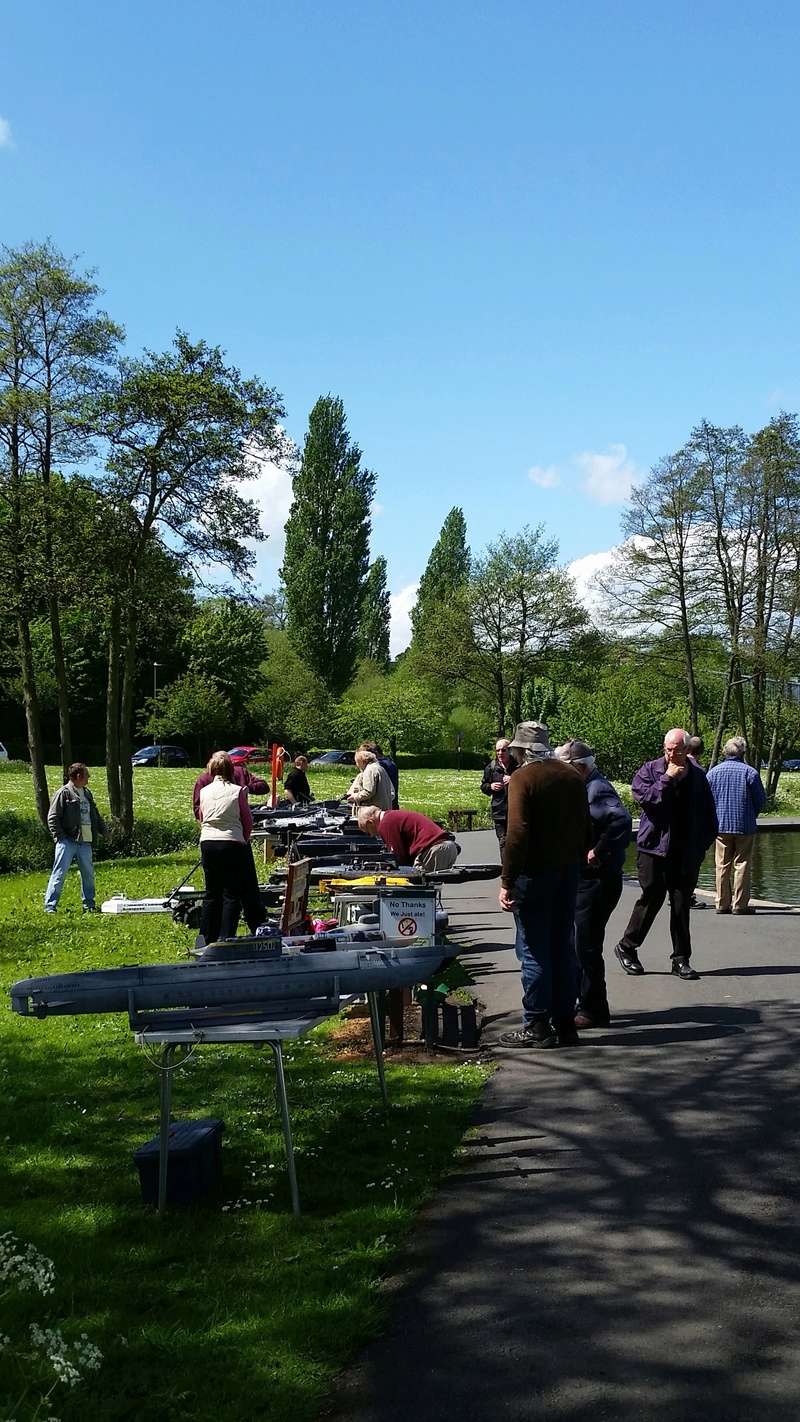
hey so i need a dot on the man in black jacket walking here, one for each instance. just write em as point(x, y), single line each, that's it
point(600, 883)
point(495, 783)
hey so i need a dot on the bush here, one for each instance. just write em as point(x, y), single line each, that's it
point(399, 708)
point(442, 760)
point(26, 845)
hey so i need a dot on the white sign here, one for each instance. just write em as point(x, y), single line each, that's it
point(409, 915)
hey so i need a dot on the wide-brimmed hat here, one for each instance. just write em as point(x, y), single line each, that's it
point(530, 736)
point(574, 750)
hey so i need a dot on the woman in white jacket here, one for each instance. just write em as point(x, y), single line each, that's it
point(372, 785)
point(225, 828)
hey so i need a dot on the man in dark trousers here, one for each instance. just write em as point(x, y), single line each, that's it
point(600, 883)
point(495, 781)
point(547, 838)
point(678, 824)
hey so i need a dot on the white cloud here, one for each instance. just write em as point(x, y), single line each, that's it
point(545, 477)
point(376, 509)
point(609, 476)
point(402, 603)
point(271, 491)
point(6, 140)
point(583, 572)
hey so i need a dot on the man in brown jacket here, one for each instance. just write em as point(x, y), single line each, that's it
point(549, 832)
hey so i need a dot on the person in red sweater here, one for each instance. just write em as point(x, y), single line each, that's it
point(413, 838)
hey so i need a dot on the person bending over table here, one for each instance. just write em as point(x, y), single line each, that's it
point(413, 838)
point(225, 828)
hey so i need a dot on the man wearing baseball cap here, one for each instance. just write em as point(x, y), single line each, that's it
point(546, 842)
point(600, 882)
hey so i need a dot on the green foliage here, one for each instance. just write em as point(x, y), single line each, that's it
point(327, 547)
point(193, 708)
point(291, 703)
point(446, 571)
point(227, 641)
point(400, 708)
point(623, 715)
point(376, 612)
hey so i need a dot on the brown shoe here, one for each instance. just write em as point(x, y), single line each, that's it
point(747, 910)
point(583, 1020)
point(722, 910)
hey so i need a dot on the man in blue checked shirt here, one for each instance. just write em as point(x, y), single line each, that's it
point(739, 798)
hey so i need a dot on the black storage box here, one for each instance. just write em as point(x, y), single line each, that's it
point(194, 1162)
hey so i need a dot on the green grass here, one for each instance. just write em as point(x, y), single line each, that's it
point(236, 1309)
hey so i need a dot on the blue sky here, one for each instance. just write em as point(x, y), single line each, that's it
point(514, 237)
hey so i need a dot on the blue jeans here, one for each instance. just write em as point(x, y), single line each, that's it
point(544, 913)
point(66, 851)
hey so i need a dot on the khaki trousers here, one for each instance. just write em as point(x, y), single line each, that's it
point(732, 855)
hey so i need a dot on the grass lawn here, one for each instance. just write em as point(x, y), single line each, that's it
point(236, 1309)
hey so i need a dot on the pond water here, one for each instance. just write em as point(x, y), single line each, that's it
point(776, 867)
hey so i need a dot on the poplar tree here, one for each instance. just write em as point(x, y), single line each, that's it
point(446, 574)
point(376, 613)
point(327, 547)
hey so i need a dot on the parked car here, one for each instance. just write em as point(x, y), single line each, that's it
point(3, 752)
point(333, 758)
point(160, 755)
point(790, 765)
point(250, 755)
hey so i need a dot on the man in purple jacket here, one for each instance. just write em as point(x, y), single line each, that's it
point(677, 825)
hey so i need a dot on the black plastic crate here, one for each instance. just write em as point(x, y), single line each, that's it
point(194, 1159)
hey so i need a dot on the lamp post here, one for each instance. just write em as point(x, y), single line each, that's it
point(156, 665)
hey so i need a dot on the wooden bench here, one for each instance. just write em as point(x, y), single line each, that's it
point(456, 818)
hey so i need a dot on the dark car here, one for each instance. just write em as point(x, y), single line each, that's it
point(333, 758)
point(790, 765)
point(250, 755)
point(160, 755)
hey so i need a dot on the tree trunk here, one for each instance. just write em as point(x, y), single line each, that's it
point(65, 734)
point(113, 712)
point(126, 713)
point(32, 719)
point(733, 668)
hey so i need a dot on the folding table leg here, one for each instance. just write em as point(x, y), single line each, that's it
point(167, 1054)
point(377, 1043)
point(283, 1102)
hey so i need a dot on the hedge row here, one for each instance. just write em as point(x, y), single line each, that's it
point(26, 845)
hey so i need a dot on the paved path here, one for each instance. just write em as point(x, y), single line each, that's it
point(621, 1242)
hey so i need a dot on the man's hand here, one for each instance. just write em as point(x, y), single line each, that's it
point(591, 857)
point(674, 772)
point(506, 779)
point(497, 785)
point(506, 900)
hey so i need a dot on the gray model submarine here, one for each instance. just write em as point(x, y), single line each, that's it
point(242, 973)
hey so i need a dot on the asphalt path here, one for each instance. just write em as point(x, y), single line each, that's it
point(620, 1239)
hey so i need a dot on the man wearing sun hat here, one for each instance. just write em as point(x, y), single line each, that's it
point(546, 841)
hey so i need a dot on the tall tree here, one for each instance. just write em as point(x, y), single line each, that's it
point(327, 546)
point(517, 618)
point(179, 425)
point(657, 581)
point(20, 544)
point(446, 573)
point(67, 346)
point(376, 616)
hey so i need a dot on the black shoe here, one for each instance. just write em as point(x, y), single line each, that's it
point(566, 1033)
point(628, 960)
point(683, 968)
point(540, 1035)
point(722, 910)
point(748, 910)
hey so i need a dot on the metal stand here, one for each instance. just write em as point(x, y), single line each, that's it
point(283, 1103)
point(165, 1091)
point(374, 1017)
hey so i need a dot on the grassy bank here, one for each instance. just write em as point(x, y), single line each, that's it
point(233, 1310)
point(163, 799)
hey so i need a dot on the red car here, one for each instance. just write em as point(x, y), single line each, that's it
point(249, 755)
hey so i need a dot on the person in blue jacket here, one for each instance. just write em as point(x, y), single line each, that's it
point(677, 825)
point(600, 883)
